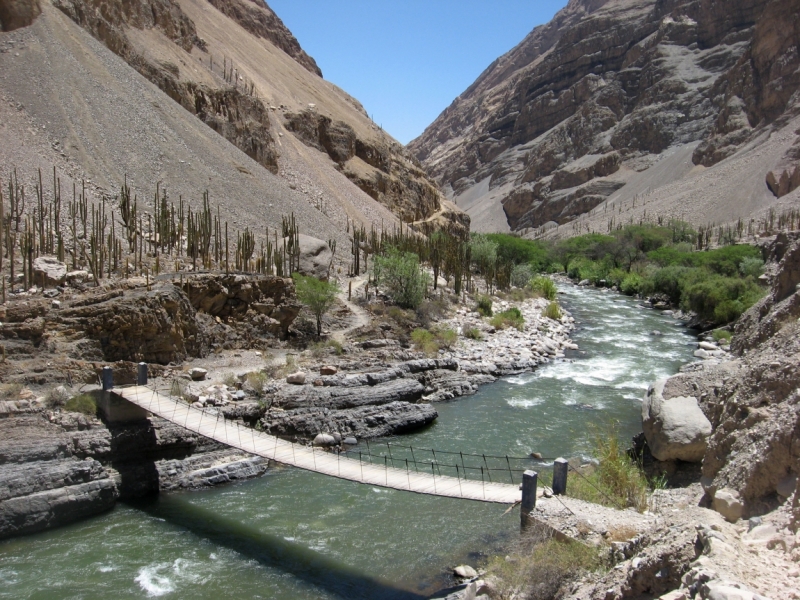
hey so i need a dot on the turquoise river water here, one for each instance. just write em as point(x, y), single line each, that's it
point(293, 534)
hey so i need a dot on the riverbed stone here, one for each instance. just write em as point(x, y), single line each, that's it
point(198, 374)
point(465, 572)
point(298, 378)
point(675, 428)
point(324, 439)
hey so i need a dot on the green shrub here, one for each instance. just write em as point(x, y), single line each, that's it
point(521, 274)
point(751, 266)
point(616, 481)
point(484, 307)
point(402, 317)
point(401, 276)
point(545, 287)
point(553, 311)
point(722, 334)
point(517, 250)
point(616, 276)
point(318, 295)
point(719, 299)
point(425, 341)
point(670, 281)
point(632, 284)
point(82, 403)
point(483, 251)
point(473, 333)
point(509, 318)
point(445, 337)
point(258, 380)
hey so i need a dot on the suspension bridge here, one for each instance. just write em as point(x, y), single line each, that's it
point(496, 479)
point(386, 469)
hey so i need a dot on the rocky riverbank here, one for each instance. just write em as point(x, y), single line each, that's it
point(60, 466)
point(723, 432)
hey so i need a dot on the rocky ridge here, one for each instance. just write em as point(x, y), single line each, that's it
point(565, 121)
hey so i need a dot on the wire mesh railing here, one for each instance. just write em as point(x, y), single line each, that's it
point(461, 465)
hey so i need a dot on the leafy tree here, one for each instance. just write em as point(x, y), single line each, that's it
point(400, 274)
point(318, 295)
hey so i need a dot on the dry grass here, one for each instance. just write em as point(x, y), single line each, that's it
point(10, 391)
point(540, 565)
point(616, 481)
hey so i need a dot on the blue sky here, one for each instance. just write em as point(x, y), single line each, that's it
point(407, 60)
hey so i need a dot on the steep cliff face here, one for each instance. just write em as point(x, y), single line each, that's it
point(564, 120)
point(260, 20)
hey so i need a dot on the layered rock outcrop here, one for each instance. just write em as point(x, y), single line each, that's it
point(134, 321)
point(231, 111)
point(56, 468)
point(602, 92)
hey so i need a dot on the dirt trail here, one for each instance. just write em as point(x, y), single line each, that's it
point(360, 316)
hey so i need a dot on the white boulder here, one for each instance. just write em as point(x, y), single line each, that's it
point(727, 503)
point(315, 256)
point(675, 428)
point(298, 378)
point(198, 374)
point(49, 270)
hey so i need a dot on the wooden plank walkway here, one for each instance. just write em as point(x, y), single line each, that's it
point(231, 433)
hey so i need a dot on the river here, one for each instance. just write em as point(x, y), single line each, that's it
point(293, 534)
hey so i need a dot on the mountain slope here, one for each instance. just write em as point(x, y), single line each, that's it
point(203, 78)
point(578, 113)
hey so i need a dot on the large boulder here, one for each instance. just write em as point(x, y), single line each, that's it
point(315, 256)
point(675, 428)
point(49, 270)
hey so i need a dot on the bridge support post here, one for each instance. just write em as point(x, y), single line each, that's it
point(560, 469)
point(141, 374)
point(107, 379)
point(529, 484)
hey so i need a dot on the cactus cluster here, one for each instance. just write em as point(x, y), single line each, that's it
point(117, 237)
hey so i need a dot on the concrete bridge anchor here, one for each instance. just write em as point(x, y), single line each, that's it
point(529, 484)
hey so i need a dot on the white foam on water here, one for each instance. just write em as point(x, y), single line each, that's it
point(8, 577)
point(106, 568)
point(519, 379)
point(152, 582)
point(212, 556)
point(524, 402)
